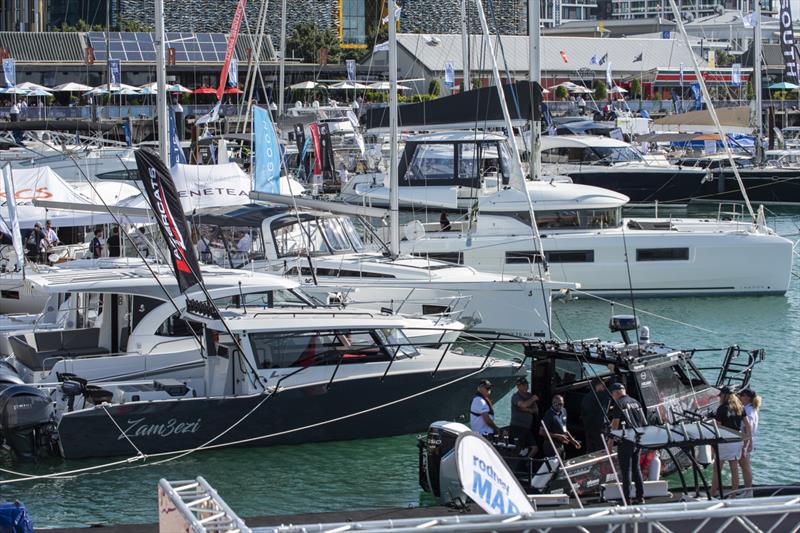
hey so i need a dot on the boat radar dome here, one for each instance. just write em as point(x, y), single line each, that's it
point(623, 324)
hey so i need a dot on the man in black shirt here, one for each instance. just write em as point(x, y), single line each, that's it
point(626, 413)
point(594, 410)
point(96, 247)
point(523, 413)
point(555, 420)
point(114, 243)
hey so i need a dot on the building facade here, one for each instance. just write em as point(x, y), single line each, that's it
point(23, 15)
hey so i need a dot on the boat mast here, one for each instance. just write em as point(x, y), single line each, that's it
point(517, 178)
point(757, 81)
point(282, 71)
point(394, 193)
point(535, 75)
point(161, 85)
point(464, 47)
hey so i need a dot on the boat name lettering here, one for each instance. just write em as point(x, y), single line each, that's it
point(136, 428)
point(211, 191)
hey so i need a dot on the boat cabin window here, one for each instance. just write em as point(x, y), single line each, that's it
point(448, 257)
point(229, 246)
point(302, 349)
point(616, 154)
point(577, 155)
point(316, 236)
point(579, 218)
point(175, 326)
point(337, 273)
point(673, 381)
point(267, 299)
point(662, 254)
point(461, 164)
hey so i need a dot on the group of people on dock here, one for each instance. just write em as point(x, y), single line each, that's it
point(605, 407)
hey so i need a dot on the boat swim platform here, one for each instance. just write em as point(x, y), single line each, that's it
point(195, 506)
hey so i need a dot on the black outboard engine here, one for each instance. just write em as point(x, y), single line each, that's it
point(438, 472)
point(27, 420)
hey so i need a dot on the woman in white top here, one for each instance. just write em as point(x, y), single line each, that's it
point(752, 404)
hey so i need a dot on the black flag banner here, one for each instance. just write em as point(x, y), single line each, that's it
point(163, 197)
point(787, 43)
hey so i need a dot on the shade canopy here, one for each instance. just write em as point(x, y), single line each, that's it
point(72, 87)
point(305, 86)
point(205, 90)
point(129, 92)
point(347, 85)
point(30, 86)
point(581, 90)
point(784, 85)
point(39, 92)
point(14, 90)
point(385, 86)
point(233, 90)
point(178, 88)
point(617, 90)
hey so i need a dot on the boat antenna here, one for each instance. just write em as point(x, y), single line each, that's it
point(630, 281)
point(711, 110)
point(517, 180)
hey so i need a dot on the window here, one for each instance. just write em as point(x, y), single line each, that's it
point(336, 273)
point(301, 349)
point(354, 22)
point(580, 218)
point(617, 154)
point(268, 299)
point(662, 254)
point(522, 257)
point(431, 163)
point(9, 295)
point(570, 256)
point(448, 257)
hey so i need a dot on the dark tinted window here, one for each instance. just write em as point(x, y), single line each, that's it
point(522, 257)
point(449, 257)
point(570, 256)
point(662, 254)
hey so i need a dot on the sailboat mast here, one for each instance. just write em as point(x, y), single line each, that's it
point(394, 192)
point(161, 84)
point(282, 71)
point(535, 74)
point(464, 47)
point(757, 80)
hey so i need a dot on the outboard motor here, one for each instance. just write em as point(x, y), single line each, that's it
point(27, 420)
point(438, 472)
point(624, 324)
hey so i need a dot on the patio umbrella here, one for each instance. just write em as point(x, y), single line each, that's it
point(30, 86)
point(72, 87)
point(784, 86)
point(347, 85)
point(233, 90)
point(129, 92)
point(617, 90)
point(145, 90)
point(39, 92)
point(581, 90)
point(385, 86)
point(14, 90)
point(178, 88)
point(204, 90)
point(304, 86)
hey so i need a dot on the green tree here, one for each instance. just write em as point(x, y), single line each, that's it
point(435, 88)
point(600, 90)
point(81, 26)
point(636, 88)
point(561, 92)
point(306, 40)
point(724, 59)
point(133, 26)
point(751, 94)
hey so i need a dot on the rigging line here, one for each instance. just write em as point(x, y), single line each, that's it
point(123, 433)
point(93, 469)
point(130, 241)
point(630, 280)
point(642, 311)
point(711, 110)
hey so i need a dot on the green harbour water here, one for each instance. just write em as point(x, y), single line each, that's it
point(373, 473)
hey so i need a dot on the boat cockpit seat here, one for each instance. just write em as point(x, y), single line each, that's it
point(40, 351)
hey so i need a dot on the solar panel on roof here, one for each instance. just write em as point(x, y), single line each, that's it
point(139, 46)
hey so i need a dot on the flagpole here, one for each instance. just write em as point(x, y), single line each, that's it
point(394, 192)
point(757, 81)
point(282, 75)
point(535, 74)
point(161, 84)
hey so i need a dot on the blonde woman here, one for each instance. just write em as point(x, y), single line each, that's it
point(730, 414)
point(752, 404)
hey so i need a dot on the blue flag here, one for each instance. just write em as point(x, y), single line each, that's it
point(233, 73)
point(351, 69)
point(267, 154)
point(175, 151)
point(10, 72)
point(114, 72)
point(449, 75)
point(594, 60)
point(126, 130)
point(698, 97)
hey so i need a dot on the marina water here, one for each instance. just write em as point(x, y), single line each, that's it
point(383, 472)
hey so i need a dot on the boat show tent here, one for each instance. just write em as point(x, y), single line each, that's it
point(42, 183)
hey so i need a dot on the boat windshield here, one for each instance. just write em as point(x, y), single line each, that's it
point(580, 218)
point(317, 236)
point(328, 347)
point(267, 299)
point(617, 154)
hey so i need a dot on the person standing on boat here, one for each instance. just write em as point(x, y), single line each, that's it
point(114, 243)
point(481, 411)
point(139, 240)
point(96, 245)
point(524, 411)
point(730, 414)
point(752, 404)
point(444, 222)
point(52, 236)
point(594, 408)
point(554, 423)
point(626, 413)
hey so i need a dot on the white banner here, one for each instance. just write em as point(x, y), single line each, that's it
point(486, 479)
point(13, 220)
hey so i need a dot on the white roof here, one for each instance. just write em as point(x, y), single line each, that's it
point(456, 136)
point(304, 320)
point(557, 141)
point(579, 51)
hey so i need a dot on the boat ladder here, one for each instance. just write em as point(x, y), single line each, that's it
point(195, 506)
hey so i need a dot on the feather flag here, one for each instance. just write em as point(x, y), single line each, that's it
point(594, 60)
point(603, 59)
point(609, 79)
point(564, 56)
point(638, 58)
